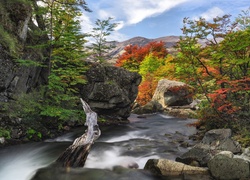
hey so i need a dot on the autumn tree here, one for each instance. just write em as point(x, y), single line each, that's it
point(134, 55)
point(214, 57)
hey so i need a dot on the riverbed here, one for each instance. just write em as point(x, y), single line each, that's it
point(127, 145)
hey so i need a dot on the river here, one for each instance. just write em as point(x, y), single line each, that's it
point(156, 136)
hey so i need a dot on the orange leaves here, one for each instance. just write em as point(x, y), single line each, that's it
point(234, 98)
point(134, 54)
point(146, 90)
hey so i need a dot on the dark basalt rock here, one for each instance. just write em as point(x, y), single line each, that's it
point(110, 91)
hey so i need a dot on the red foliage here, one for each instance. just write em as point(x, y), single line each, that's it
point(146, 90)
point(233, 98)
point(134, 54)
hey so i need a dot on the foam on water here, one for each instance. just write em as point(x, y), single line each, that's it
point(128, 136)
point(113, 157)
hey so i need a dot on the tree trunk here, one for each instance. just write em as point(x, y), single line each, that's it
point(76, 154)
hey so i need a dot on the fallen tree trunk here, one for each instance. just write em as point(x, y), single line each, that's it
point(76, 154)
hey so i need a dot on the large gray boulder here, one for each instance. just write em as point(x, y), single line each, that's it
point(225, 166)
point(173, 93)
point(110, 90)
point(213, 142)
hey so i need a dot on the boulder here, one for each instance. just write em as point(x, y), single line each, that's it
point(225, 166)
point(213, 142)
point(110, 90)
point(173, 93)
point(150, 107)
point(167, 167)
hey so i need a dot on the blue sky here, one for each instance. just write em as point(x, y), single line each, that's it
point(156, 18)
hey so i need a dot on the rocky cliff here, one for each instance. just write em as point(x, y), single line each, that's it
point(18, 38)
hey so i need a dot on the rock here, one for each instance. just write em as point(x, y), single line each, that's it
point(213, 136)
point(110, 91)
point(167, 167)
point(220, 139)
point(213, 142)
point(54, 173)
point(16, 133)
point(200, 154)
point(2, 140)
point(224, 166)
point(150, 107)
point(180, 113)
point(16, 26)
point(173, 93)
point(194, 104)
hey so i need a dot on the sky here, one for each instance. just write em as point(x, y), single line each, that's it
point(155, 18)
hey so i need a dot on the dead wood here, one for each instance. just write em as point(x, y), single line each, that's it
point(76, 154)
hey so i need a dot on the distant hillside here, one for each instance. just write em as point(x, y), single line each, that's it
point(170, 41)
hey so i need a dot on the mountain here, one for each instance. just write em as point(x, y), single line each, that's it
point(118, 49)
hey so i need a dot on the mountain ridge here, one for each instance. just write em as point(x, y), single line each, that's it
point(170, 42)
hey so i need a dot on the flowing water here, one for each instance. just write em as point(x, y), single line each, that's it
point(129, 145)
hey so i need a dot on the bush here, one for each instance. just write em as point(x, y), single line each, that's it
point(4, 133)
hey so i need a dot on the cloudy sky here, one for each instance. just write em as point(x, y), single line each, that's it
point(156, 18)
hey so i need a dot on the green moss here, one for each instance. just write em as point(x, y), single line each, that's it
point(8, 41)
point(4, 133)
point(31, 133)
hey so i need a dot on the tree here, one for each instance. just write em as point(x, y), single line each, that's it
point(66, 59)
point(134, 55)
point(219, 68)
point(100, 32)
point(150, 64)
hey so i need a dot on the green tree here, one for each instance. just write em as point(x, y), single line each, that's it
point(215, 56)
point(150, 65)
point(58, 20)
point(67, 64)
point(100, 32)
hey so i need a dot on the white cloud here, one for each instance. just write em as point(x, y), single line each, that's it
point(116, 36)
point(86, 23)
point(133, 11)
point(126, 12)
point(136, 11)
point(120, 25)
point(212, 13)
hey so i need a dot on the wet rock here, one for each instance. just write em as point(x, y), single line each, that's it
point(2, 140)
point(167, 167)
point(150, 107)
point(212, 143)
point(51, 173)
point(225, 166)
point(16, 133)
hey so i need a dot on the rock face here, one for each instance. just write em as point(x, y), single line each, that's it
point(172, 93)
point(110, 91)
point(212, 143)
point(225, 166)
point(15, 38)
point(167, 167)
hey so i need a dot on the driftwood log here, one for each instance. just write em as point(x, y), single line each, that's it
point(76, 154)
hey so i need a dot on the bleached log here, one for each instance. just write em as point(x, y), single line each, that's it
point(76, 154)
